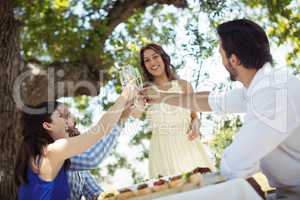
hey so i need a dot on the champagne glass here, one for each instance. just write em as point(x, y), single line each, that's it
point(128, 74)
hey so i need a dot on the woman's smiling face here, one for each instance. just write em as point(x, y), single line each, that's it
point(154, 63)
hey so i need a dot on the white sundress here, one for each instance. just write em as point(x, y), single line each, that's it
point(170, 150)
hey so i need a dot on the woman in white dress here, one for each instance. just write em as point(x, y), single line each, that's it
point(175, 145)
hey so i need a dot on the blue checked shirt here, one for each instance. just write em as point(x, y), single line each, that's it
point(81, 182)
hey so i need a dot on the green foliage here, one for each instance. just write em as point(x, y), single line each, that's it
point(82, 102)
point(51, 30)
point(141, 139)
point(140, 136)
point(122, 163)
point(212, 7)
point(74, 30)
point(155, 25)
point(200, 45)
point(223, 137)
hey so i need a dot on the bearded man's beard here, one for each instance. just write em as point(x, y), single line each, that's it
point(232, 72)
point(232, 76)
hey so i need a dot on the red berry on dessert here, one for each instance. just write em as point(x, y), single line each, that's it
point(160, 185)
point(202, 170)
point(159, 182)
point(142, 186)
point(143, 189)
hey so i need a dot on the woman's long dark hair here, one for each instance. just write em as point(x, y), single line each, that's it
point(35, 138)
point(169, 68)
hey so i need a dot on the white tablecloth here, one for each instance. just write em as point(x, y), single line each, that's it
point(236, 189)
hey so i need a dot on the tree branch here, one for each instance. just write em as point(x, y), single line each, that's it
point(48, 82)
point(123, 9)
point(118, 12)
point(39, 82)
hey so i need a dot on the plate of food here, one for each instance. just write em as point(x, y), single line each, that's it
point(163, 186)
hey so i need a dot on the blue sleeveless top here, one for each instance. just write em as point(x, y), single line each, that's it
point(38, 189)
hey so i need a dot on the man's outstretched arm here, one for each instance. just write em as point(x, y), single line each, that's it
point(194, 101)
point(233, 101)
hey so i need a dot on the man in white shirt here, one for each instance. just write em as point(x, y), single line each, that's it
point(269, 139)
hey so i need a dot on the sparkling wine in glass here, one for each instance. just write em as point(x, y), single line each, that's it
point(128, 74)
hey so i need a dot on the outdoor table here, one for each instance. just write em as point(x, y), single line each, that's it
point(236, 189)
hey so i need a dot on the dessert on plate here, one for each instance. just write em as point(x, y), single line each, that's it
point(177, 181)
point(160, 185)
point(107, 196)
point(125, 193)
point(143, 189)
point(196, 175)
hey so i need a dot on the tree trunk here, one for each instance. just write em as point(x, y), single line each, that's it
point(39, 83)
point(9, 115)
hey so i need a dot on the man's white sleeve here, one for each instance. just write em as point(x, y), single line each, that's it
point(263, 130)
point(233, 101)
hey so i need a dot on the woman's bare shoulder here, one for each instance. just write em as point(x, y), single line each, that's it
point(185, 85)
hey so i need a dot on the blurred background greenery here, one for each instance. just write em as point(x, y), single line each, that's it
point(107, 34)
